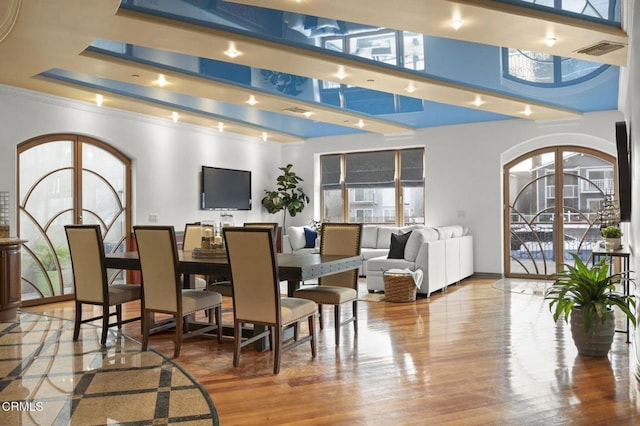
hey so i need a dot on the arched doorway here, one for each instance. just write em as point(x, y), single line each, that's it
point(65, 179)
point(552, 197)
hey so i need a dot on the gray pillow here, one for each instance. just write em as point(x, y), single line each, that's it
point(398, 243)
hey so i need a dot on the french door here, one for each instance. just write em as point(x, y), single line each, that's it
point(552, 199)
point(67, 179)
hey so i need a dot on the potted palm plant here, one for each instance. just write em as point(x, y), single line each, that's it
point(588, 296)
point(612, 237)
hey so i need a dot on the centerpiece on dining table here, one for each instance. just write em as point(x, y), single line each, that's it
point(211, 243)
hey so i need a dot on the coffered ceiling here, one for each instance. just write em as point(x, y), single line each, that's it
point(46, 46)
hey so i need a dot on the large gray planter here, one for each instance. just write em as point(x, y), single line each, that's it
point(597, 341)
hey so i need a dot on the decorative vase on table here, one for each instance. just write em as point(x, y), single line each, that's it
point(612, 237)
point(612, 243)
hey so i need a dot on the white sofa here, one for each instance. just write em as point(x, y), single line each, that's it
point(444, 254)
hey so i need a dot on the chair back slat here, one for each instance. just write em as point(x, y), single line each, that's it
point(344, 239)
point(87, 262)
point(158, 254)
point(254, 274)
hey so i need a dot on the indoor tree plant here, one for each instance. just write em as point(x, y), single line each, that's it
point(588, 295)
point(288, 196)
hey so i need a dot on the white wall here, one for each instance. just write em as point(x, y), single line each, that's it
point(463, 165)
point(166, 156)
point(464, 168)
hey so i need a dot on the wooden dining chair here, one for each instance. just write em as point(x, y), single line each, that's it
point(340, 288)
point(256, 293)
point(162, 290)
point(90, 281)
point(192, 238)
point(268, 225)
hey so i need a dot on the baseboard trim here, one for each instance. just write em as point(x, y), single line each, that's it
point(491, 275)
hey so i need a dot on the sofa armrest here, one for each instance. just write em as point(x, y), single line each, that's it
point(431, 259)
point(286, 244)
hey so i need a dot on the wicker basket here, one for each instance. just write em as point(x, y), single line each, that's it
point(399, 288)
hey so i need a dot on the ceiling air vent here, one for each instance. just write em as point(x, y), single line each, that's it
point(601, 48)
point(296, 110)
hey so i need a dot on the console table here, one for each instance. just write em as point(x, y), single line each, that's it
point(10, 294)
point(624, 255)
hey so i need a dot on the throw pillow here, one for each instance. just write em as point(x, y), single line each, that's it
point(310, 236)
point(398, 242)
point(296, 237)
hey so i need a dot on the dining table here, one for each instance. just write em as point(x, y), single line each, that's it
point(294, 268)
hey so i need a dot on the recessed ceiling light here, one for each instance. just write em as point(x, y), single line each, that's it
point(341, 74)
point(550, 41)
point(527, 111)
point(175, 117)
point(478, 101)
point(232, 52)
point(161, 81)
point(252, 100)
point(221, 127)
point(410, 88)
point(360, 124)
point(456, 23)
point(264, 136)
point(99, 99)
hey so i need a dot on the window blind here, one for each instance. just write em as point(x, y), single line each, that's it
point(412, 167)
point(330, 165)
point(370, 170)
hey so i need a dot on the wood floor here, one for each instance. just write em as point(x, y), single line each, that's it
point(472, 355)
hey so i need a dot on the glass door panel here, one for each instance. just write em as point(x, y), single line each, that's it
point(587, 180)
point(532, 215)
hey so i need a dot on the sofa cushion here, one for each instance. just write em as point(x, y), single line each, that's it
point(296, 237)
point(384, 236)
point(369, 253)
point(310, 236)
point(398, 243)
point(381, 264)
point(409, 228)
point(415, 241)
point(369, 236)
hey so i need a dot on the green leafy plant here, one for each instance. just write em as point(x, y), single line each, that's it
point(611, 231)
point(48, 258)
point(288, 196)
point(590, 289)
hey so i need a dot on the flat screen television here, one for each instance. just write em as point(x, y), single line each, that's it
point(225, 189)
point(624, 171)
